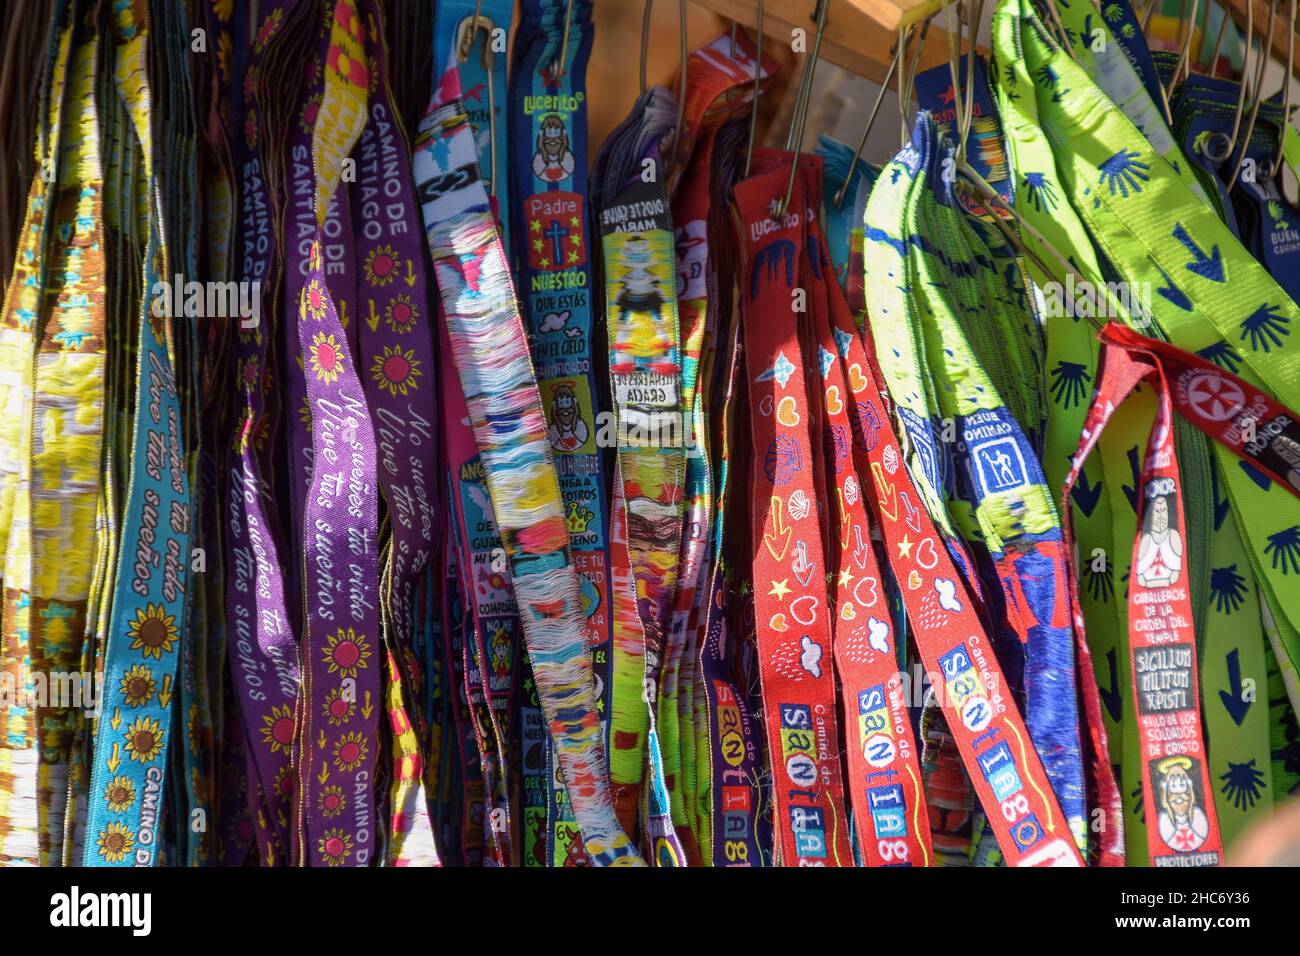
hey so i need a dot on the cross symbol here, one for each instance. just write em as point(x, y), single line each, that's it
point(556, 234)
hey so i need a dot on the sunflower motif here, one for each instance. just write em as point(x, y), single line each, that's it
point(309, 114)
point(144, 739)
point(335, 846)
point(381, 265)
point(223, 9)
point(267, 30)
point(351, 751)
point(277, 728)
point(138, 685)
point(346, 652)
point(331, 801)
point(396, 370)
point(326, 358)
point(115, 842)
point(283, 784)
point(401, 314)
point(338, 709)
point(120, 794)
point(313, 300)
point(152, 631)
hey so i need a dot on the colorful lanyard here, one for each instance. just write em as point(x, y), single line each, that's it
point(1156, 232)
point(1182, 826)
point(630, 195)
point(260, 642)
point(24, 303)
point(714, 73)
point(490, 352)
point(553, 257)
point(884, 767)
point(790, 597)
point(336, 745)
point(135, 729)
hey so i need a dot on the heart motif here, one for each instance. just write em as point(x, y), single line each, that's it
point(847, 612)
point(778, 623)
point(765, 405)
point(787, 413)
point(804, 610)
point(926, 556)
point(857, 381)
point(833, 403)
point(914, 579)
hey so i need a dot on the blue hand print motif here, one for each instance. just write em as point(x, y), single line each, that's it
point(1040, 192)
point(1284, 548)
point(1242, 784)
point(1265, 327)
point(1228, 588)
point(1069, 383)
point(1123, 173)
point(1222, 354)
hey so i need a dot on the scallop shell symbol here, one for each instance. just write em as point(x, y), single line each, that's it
point(783, 460)
point(891, 459)
point(851, 490)
point(798, 505)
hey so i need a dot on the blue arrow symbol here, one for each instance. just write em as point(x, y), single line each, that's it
point(1207, 267)
point(1170, 291)
point(1135, 469)
point(1232, 698)
point(1112, 698)
point(1086, 495)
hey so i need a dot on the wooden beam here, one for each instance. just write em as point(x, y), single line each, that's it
point(1237, 10)
point(859, 33)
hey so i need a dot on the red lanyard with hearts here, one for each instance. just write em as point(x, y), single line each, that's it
point(885, 792)
point(981, 715)
point(790, 599)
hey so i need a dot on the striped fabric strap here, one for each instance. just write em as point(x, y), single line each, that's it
point(491, 355)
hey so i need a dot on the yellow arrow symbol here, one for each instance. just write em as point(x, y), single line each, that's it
point(410, 273)
point(279, 815)
point(324, 772)
point(261, 819)
point(372, 319)
point(270, 856)
point(369, 708)
point(165, 695)
point(322, 739)
point(116, 722)
point(343, 314)
point(115, 760)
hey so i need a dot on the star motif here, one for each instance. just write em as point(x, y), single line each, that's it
point(827, 360)
point(842, 340)
point(846, 576)
point(781, 370)
point(780, 589)
point(905, 547)
point(535, 225)
point(537, 245)
point(573, 221)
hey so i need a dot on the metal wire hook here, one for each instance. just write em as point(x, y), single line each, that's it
point(801, 108)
